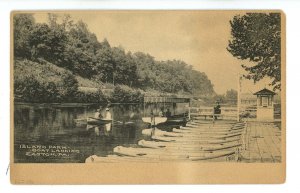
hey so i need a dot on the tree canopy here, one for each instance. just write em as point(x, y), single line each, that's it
point(256, 37)
point(72, 46)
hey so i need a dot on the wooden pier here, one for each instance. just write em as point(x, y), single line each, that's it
point(204, 141)
point(263, 142)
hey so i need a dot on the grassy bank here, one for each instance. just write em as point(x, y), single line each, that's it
point(41, 81)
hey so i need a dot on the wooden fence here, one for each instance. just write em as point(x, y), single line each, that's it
point(227, 113)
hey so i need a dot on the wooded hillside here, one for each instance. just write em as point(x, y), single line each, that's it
point(70, 46)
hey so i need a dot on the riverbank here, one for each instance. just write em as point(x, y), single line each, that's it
point(44, 82)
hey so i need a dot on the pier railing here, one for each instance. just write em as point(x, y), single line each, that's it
point(228, 113)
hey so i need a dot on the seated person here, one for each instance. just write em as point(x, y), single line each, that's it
point(98, 114)
point(217, 110)
point(168, 113)
point(161, 113)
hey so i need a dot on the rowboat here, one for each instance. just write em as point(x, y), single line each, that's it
point(118, 159)
point(168, 153)
point(95, 121)
point(159, 132)
point(91, 121)
point(195, 134)
point(219, 122)
point(189, 146)
point(189, 125)
point(201, 132)
point(197, 140)
point(176, 120)
point(235, 127)
point(157, 120)
point(216, 156)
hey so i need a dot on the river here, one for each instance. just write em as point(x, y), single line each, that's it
point(40, 129)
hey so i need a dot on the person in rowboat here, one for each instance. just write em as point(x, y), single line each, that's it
point(98, 114)
point(168, 113)
point(108, 114)
point(161, 112)
point(108, 117)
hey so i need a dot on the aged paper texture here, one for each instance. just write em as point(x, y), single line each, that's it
point(148, 97)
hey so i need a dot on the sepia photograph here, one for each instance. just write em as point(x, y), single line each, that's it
point(147, 86)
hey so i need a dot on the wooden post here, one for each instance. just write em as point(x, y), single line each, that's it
point(238, 98)
point(144, 108)
point(189, 112)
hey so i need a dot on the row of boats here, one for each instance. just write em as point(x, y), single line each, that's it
point(194, 142)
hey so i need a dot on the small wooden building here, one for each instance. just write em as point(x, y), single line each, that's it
point(174, 104)
point(265, 104)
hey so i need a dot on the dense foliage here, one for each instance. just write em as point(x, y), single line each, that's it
point(257, 37)
point(125, 94)
point(71, 46)
point(229, 98)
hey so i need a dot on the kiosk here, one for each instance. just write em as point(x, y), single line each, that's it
point(265, 106)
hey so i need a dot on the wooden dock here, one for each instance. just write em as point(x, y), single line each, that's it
point(204, 141)
point(263, 143)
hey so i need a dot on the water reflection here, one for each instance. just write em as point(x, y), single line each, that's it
point(55, 125)
point(50, 124)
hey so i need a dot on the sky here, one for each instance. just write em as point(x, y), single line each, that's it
point(199, 38)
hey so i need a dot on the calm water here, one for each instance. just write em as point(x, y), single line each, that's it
point(49, 133)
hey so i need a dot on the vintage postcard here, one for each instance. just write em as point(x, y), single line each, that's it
point(147, 97)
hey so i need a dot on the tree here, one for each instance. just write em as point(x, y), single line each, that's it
point(81, 48)
point(124, 67)
point(71, 45)
point(48, 42)
point(256, 37)
point(23, 25)
point(231, 96)
point(105, 64)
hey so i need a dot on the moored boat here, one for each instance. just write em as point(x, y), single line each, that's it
point(169, 153)
point(189, 147)
point(157, 120)
point(159, 132)
point(205, 139)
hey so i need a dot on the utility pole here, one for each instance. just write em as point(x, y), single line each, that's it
point(239, 97)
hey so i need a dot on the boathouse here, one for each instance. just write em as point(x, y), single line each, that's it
point(265, 104)
point(158, 99)
point(166, 102)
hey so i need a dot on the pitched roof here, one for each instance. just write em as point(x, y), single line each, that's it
point(265, 92)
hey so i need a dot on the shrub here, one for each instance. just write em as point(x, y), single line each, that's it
point(125, 94)
point(90, 97)
point(68, 87)
point(29, 89)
